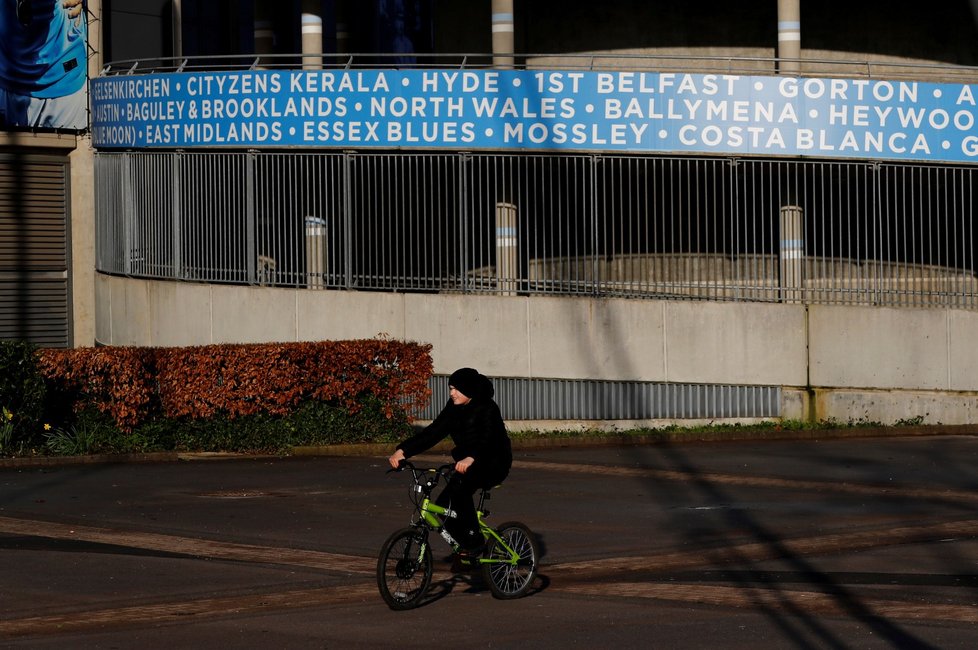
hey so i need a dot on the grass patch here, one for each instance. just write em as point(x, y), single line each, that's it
point(736, 430)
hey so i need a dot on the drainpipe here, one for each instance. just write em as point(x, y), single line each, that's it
point(789, 36)
point(502, 33)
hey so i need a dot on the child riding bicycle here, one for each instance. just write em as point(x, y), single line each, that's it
point(483, 454)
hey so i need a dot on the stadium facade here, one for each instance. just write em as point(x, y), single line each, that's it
point(625, 213)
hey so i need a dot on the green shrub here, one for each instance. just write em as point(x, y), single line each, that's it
point(317, 423)
point(6, 428)
point(91, 431)
point(22, 394)
point(72, 442)
point(87, 432)
point(313, 423)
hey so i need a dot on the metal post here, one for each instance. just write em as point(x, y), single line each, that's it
point(251, 225)
point(595, 285)
point(789, 36)
point(176, 207)
point(348, 219)
point(464, 167)
point(507, 250)
point(792, 276)
point(128, 215)
point(502, 33)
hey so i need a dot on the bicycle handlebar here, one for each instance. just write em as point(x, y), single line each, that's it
point(442, 471)
point(401, 466)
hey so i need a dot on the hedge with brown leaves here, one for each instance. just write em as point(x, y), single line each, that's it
point(135, 384)
point(117, 381)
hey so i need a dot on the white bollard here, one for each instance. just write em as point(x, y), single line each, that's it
point(507, 250)
point(792, 254)
point(315, 253)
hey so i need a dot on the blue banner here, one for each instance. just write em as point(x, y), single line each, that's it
point(649, 112)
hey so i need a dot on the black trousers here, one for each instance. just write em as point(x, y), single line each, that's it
point(459, 494)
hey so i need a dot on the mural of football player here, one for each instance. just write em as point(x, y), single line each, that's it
point(43, 64)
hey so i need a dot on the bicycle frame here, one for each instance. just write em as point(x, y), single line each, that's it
point(431, 516)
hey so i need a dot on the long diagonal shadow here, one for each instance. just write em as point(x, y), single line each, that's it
point(626, 362)
point(739, 519)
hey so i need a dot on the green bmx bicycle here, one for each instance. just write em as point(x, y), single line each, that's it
point(404, 569)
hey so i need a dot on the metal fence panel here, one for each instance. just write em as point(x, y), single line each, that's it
point(567, 224)
point(571, 399)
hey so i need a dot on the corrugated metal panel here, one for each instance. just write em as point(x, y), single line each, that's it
point(567, 399)
point(34, 302)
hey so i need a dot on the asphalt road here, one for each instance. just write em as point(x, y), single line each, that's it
point(788, 544)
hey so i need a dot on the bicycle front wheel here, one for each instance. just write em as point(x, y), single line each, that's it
point(511, 574)
point(404, 568)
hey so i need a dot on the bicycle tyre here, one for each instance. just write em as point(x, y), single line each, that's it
point(404, 569)
point(507, 581)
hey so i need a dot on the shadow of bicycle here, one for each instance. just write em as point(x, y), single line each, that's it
point(469, 580)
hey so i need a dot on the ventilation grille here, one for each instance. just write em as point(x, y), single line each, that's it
point(34, 297)
point(569, 399)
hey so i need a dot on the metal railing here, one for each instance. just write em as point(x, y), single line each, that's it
point(596, 225)
point(745, 65)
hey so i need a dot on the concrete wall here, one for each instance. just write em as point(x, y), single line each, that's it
point(842, 363)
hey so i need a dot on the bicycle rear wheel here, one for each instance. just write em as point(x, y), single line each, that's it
point(510, 577)
point(404, 568)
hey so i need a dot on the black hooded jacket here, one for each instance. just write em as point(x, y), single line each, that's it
point(477, 430)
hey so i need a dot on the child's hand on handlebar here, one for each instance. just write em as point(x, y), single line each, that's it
point(396, 459)
point(463, 465)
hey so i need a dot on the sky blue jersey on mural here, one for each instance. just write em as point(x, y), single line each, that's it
point(42, 49)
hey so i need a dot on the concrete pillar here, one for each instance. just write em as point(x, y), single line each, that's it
point(176, 22)
point(507, 250)
point(312, 35)
point(792, 276)
point(315, 253)
point(502, 33)
point(789, 36)
point(342, 27)
point(264, 29)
